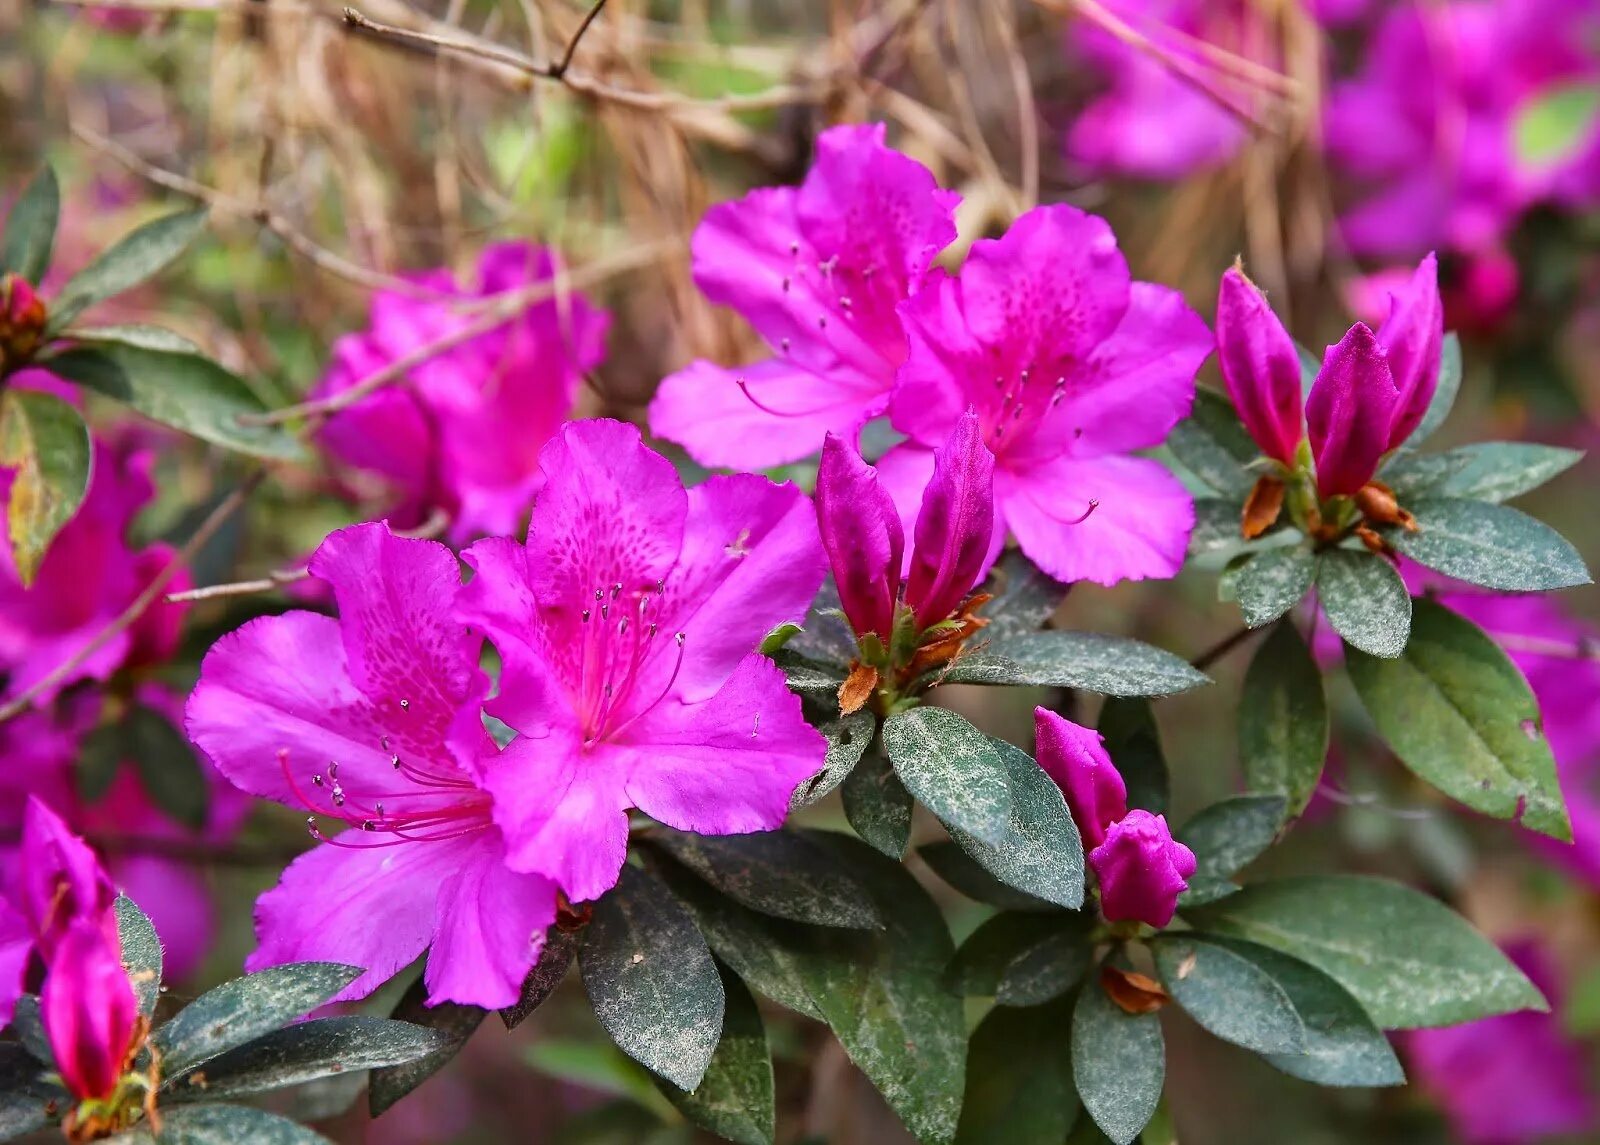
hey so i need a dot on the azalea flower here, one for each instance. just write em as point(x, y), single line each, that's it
point(1070, 365)
point(819, 270)
point(371, 722)
point(628, 626)
point(464, 434)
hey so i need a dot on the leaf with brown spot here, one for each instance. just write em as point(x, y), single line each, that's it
point(1134, 993)
point(45, 440)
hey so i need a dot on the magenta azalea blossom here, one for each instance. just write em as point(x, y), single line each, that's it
point(819, 271)
point(371, 722)
point(628, 626)
point(464, 435)
point(1076, 758)
point(1070, 365)
point(1142, 869)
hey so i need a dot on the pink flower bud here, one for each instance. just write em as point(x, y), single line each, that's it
point(1412, 336)
point(1075, 757)
point(1350, 412)
point(89, 1011)
point(60, 880)
point(1142, 869)
point(1260, 367)
point(862, 532)
point(22, 321)
point(955, 526)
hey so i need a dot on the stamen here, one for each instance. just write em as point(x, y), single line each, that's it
point(744, 387)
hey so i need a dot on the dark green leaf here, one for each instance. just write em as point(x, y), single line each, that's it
point(1408, 959)
point(1023, 959)
point(1024, 598)
point(952, 864)
point(455, 1022)
point(560, 946)
point(1205, 889)
point(736, 1098)
point(601, 1067)
point(30, 232)
point(141, 953)
point(1016, 1097)
point(28, 1024)
point(1229, 995)
point(1483, 471)
point(1444, 394)
point(1283, 719)
point(1365, 600)
point(1273, 582)
point(1495, 546)
point(848, 739)
point(143, 252)
point(809, 677)
point(245, 1008)
point(1213, 445)
point(138, 336)
point(651, 980)
point(1119, 1063)
point(1342, 1046)
point(826, 637)
point(779, 873)
point(878, 805)
point(25, 1095)
point(321, 1047)
point(46, 443)
point(185, 391)
point(1228, 835)
point(1128, 726)
point(168, 770)
point(1459, 714)
point(952, 769)
point(223, 1124)
point(1216, 525)
point(1092, 661)
point(1310, 367)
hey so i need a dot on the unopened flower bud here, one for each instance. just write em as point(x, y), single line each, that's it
point(1142, 869)
point(22, 321)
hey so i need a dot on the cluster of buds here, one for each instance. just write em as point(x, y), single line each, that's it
point(22, 322)
point(902, 635)
point(1371, 393)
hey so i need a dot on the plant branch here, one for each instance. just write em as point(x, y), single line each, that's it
point(1221, 648)
point(559, 69)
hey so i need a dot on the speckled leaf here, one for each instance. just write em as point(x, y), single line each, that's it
point(1203, 889)
point(30, 227)
point(651, 980)
point(1365, 600)
point(1132, 739)
point(1444, 394)
point(1024, 598)
point(1022, 1098)
point(142, 252)
point(1092, 661)
point(1274, 582)
point(46, 443)
point(961, 871)
point(1216, 525)
point(877, 804)
point(321, 1047)
point(555, 958)
point(1119, 1063)
point(735, 1099)
point(1495, 546)
point(1459, 714)
point(1283, 719)
point(825, 637)
point(141, 953)
point(1229, 995)
point(1342, 1046)
point(243, 1009)
point(1023, 959)
point(25, 1095)
point(28, 1024)
point(809, 677)
point(1407, 958)
point(454, 1021)
point(848, 739)
point(222, 1124)
point(137, 335)
point(1229, 834)
point(775, 872)
point(1040, 852)
point(1213, 445)
point(1483, 471)
point(952, 769)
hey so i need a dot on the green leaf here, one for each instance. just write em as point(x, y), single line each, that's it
point(736, 1099)
point(223, 1124)
point(1040, 852)
point(27, 1022)
point(1128, 726)
point(1283, 719)
point(1019, 1097)
point(168, 770)
point(1092, 661)
point(1484, 471)
point(1407, 958)
point(651, 980)
point(952, 769)
point(143, 252)
point(1024, 598)
point(780, 873)
point(555, 957)
point(778, 637)
point(1342, 1045)
point(1551, 127)
point(601, 1067)
point(1228, 835)
point(453, 1021)
point(808, 677)
point(1229, 995)
point(1365, 600)
point(848, 738)
point(1023, 959)
point(27, 1100)
point(1213, 445)
point(1444, 394)
point(1216, 526)
point(877, 805)
point(1459, 714)
point(46, 442)
point(245, 1008)
point(950, 862)
point(1495, 546)
point(185, 391)
point(826, 637)
point(30, 232)
point(1273, 582)
point(1203, 889)
point(321, 1047)
point(137, 335)
point(1119, 1063)
point(141, 953)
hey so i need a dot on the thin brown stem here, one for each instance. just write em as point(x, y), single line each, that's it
point(1221, 648)
point(559, 68)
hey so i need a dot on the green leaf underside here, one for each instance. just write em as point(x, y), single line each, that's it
point(1023, 959)
point(555, 958)
point(1216, 525)
point(30, 228)
point(848, 738)
point(223, 1124)
point(1092, 661)
point(25, 1095)
point(137, 335)
point(809, 677)
point(1283, 719)
point(1228, 835)
point(736, 1098)
point(1128, 726)
point(141, 253)
point(1365, 600)
point(453, 1021)
point(1273, 582)
point(141, 953)
point(1483, 471)
point(952, 769)
point(1119, 1063)
point(47, 443)
point(1229, 995)
point(1459, 714)
point(1213, 445)
point(779, 873)
point(1495, 546)
point(1024, 598)
point(1019, 1097)
point(1408, 959)
point(877, 805)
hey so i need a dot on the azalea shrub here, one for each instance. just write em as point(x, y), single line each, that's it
point(787, 726)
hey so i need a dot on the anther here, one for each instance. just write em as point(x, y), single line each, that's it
point(405, 705)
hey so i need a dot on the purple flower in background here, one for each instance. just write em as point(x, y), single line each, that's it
point(1070, 365)
point(464, 434)
point(372, 720)
point(1076, 758)
point(1142, 870)
point(628, 626)
point(89, 1012)
point(819, 270)
point(1516, 1079)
